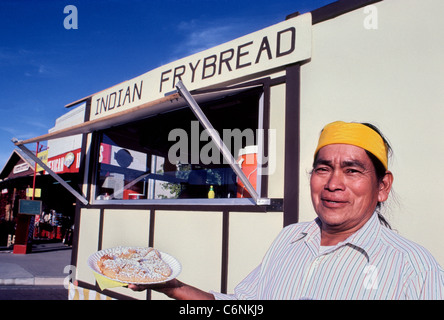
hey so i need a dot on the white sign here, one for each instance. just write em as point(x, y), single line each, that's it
point(273, 47)
point(20, 168)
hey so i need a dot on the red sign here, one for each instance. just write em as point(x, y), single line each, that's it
point(68, 162)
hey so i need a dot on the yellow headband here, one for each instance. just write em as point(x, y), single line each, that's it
point(355, 134)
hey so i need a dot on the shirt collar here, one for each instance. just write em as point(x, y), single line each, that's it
point(309, 233)
point(364, 240)
point(367, 238)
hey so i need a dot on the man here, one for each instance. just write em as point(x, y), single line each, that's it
point(348, 252)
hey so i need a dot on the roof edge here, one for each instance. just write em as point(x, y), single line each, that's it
point(338, 8)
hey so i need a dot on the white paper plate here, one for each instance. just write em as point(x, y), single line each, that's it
point(174, 264)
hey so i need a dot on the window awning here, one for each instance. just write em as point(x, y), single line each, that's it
point(165, 104)
point(74, 192)
point(177, 100)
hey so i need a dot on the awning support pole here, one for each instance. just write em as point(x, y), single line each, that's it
point(30, 154)
point(220, 144)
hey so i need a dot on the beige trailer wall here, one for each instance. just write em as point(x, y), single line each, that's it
point(120, 228)
point(393, 77)
point(195, 238)
point(275, 169)
point(250, 235)
point(88, 243)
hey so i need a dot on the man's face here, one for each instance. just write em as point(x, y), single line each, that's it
point(344, 187)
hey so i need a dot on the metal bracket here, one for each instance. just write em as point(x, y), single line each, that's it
point(30, 154)
point(219, 143)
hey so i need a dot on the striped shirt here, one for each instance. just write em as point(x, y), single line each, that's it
point(373, 263)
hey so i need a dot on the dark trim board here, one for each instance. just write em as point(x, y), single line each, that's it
point(338, 8)
point(292, 136)
point(225, 251)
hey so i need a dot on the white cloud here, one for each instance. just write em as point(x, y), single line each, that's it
point(29, 61)
point(25, 128)
point(199, 36)
point(19, 134)
point(42, 69)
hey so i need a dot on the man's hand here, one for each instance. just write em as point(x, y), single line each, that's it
point(175, 290)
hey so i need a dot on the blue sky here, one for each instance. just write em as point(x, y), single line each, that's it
point(44, 66)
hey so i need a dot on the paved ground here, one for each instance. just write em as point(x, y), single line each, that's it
point(38, 275)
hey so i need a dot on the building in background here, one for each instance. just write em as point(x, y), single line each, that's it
point(21, 172)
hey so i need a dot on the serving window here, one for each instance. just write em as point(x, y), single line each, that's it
point(170, 156)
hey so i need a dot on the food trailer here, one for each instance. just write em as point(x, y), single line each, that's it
point(242, 119)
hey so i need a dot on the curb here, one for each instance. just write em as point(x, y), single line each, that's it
point(17, 282)
point(40, 281)
point(37, 281)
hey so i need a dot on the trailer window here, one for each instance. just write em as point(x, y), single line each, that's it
point(170, 155)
